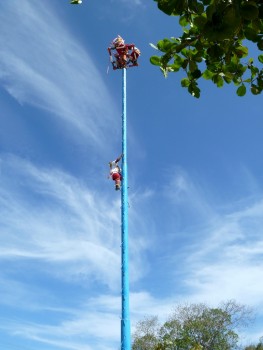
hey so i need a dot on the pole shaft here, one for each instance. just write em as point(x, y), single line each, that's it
point(125, 321)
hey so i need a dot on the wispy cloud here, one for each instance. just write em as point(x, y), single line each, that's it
point(49, 216)
point(58, 224)
point(214, 255)
point(56, 228)
point(230, 255)
point(96, 324)
point(223, 260)
point(42, 64)
point(188, 195)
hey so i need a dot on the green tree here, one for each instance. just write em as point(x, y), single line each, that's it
point(259, 346)
point(146, 335)
point(194, 327)
point(212, 43)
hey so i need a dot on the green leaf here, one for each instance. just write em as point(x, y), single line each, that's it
point(185, 52)
point(192, 66)
point(194, 90)
point(184, 63)
point(260, 82)
point(249, 10)
point(155, 60)
point(184, 21)
point(250, 34)
point(260, 45)
point(218, 80)
point(254, 71)
point(200, 21)
point(197, 57)
point(171, 7)
point(237, 81)
point(195, 74)
point(178, 60)
point(200, 8)
point(228, 77)
point(207, 74)
point(164, 45)
point(255, 90)
point(241, 91)
point(256, 24)
point(241, 51)
point(185, 82)
point(175, 67)
point(260, 58)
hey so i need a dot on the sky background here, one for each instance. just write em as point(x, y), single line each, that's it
point(195, 180)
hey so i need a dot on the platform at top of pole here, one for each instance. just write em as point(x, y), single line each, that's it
point(123, 55)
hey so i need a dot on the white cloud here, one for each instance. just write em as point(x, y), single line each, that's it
point(56, 228)
point(208, 251)
point(223, 260)
point(42, 64)
point(48, 216)
point(227, 261)
point(187, 195)
point(96, 324)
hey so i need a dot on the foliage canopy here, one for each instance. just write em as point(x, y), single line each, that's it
point(259, 346)
point(193, 327)
point(212, 43)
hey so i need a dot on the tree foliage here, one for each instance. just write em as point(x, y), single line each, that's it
point(194, 327)
point(212, 43)
point(259, 346)
point(146, 334)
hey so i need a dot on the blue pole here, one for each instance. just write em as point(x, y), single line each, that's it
point(125, 320)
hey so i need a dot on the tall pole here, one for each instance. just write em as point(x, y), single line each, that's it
point(125, 320)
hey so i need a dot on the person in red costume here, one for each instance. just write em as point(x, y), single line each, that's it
point(118, 45)
point(133, 56)
point(115, 172)
point(125, 55)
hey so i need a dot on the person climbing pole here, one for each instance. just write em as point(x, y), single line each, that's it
point(115, 172)
point(120, 55)
point(133, 56)
point(123, 55)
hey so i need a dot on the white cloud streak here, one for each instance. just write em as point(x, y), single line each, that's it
point(55, 227)
point(96, 324)
point(49, 216)
point(216, 257)
point(223, 260)
point(42, 64)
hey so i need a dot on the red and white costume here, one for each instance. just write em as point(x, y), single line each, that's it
point(125, 55)
point(115, 172)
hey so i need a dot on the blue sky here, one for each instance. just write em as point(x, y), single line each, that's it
point(195, 180)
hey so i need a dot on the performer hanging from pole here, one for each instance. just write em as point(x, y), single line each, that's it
point(135, 53)
point(123, 55)
point(115, 172)
point(120, 53)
